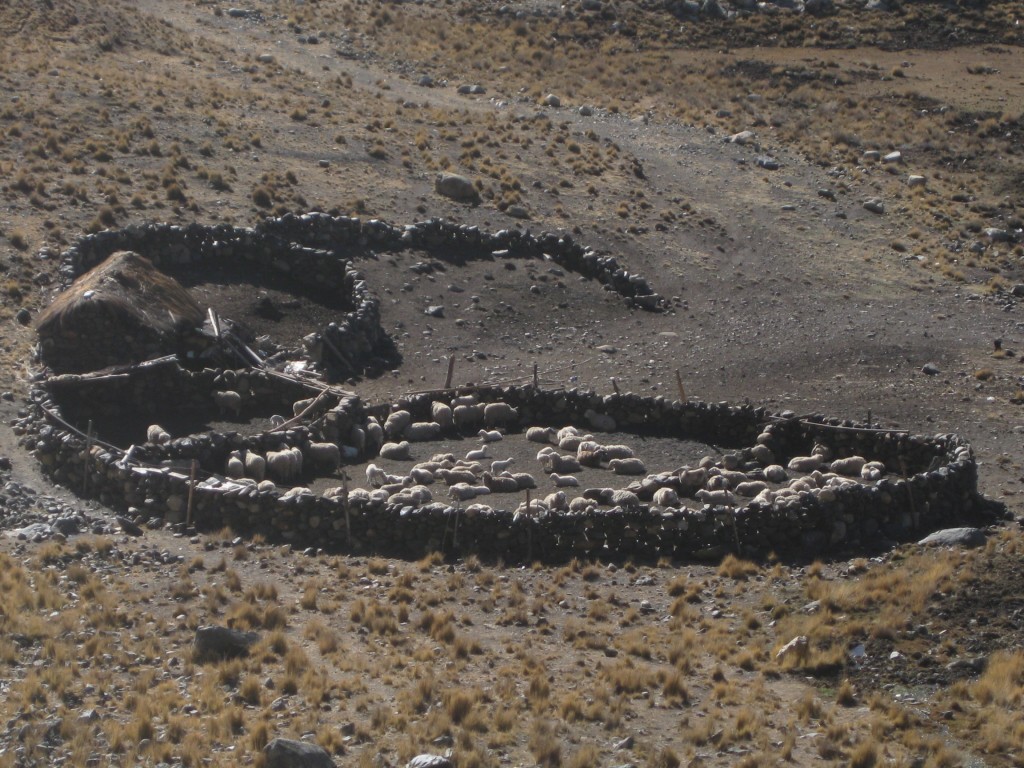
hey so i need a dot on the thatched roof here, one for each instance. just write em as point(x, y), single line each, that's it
point(123, 311)
point(126, 288)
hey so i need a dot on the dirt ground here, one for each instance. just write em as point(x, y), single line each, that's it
point(784, 291)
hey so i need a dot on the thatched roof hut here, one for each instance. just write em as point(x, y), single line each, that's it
point(122, 311)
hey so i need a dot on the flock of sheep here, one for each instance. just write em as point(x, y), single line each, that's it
point(732, 479)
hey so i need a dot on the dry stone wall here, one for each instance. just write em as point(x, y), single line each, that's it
point(931, 481)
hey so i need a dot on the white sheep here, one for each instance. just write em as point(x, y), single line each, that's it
point(540, 434)
point(618, 451)
point(716, 498)
point(627, 467)
point(805, 463)
point(375, 476)
point(750, 488)
point(851, 466)
point(442, 414)
point(422, 475)
point(396, 423)
point(234, 467)
point(489, 435)
point(690, 479)
point(478, 454)
point(580, 504)
point(228, 401)
point(625, 499)
point(284, 463)
point(872, 471)
point(255, 465)
point(157, 435)
point(497, 467)
point(458, 476)
point(465, 491)
point(591, 458)
point(564, 481)
point(774, 473)
point(374, 435)
point(422, 431)
point(498, 414)
point(325, 456)
point(464, 400)
point(666, 497)
point(395, 451)
point(546, 451)
point(277, 421)
point(300, 405)
point(567, 431)
point(570, 442)
point(467, 416)
point(557, 500)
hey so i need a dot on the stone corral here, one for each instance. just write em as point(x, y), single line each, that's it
point(924, 483)
point(316, 250)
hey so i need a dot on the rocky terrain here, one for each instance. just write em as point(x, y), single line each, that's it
point(826, 193)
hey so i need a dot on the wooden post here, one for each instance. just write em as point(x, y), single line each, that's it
point(451, 372)
point(87, 461)
point(679, 383)
point(191, 491)
point(869, 419)
point(455, 533)
point(615, 386)
point(348, 519)
point(536, 378)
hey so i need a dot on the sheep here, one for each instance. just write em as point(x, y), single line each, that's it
point(157, 434)
point(400, 484)
point(570, 442)
point(762, 454)
point(618, 451)
point(228, 401)
point(587, 445)
point(457, 476)
point(397, 451)
point(465, 491)
point(464, 400)
point(564, 432)
point(717, 498)
point(774, 473)
point(564, 481)
point(546, 451)
point(471, 466)
point(284, 463)
point(442, 414)
point(375, 476)
point(627, 467)
point(489, 436)
point(422, 431)
point(524, 480)
point(624, 499)
point(557, 500)
point(600, 495)
point(717, 483)
point(255, 465)
point(498, 414)
point(234, 467)
point(666, 497)
point(580, 504)
point(396, 423)
point(358, 497)
point(805, 463)
point(374, 435)
point(602, 422)
point(299, 406)
point(478, 454)
point(277, 420)
point(540, 434)
point(750, 488)
point(497, 467)
point(873, 470)
point(325, 456)
point(850, 466)
point(467, 416)
point(691, 479)
point(532, 507)
point(422, 475)
point(500, 484)
point(563, 465)
point(591, 458)
point(820, 449)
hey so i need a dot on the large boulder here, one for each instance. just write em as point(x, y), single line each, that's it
point(288, 753)
point(955, 537)
point(457, 187)
point(212, 642)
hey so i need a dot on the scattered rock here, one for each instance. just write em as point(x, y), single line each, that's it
point(768, 163)
point(955, 537)
point(434, 310)
point(742, 138)
point(931, 369)
point(874, 205)
point(288, 753)
point(128, 526)
point(429, 761)
point(472, 90)
point(893, 157)
point(586, 110)
point(916, 181)
point(796, 647)
point(552, 101)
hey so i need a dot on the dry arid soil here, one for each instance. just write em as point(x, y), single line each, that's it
point(785, 290)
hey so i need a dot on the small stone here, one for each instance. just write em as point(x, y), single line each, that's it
point(288, 753)
point(608, 349)
point(552, 101)
point(23, 316)
point(893, 157)
point(874, 205)
point(872, 154)
point(213, 642)
point(456, 187)
point(768, 163)
point(828, 194)
point(429, 761)
point(742, 138)
point(955, 537)
point(931, 369)
point(434, 310)
point(586, 110)
point(915, 180)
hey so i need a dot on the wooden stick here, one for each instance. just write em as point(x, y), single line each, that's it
point(615, 386)
point(303, 412)
point(85, 464)
point(841, 428)
point(536, 382)
point(679, 383)
point(451, 372)
point(214, 322)
point(338, 353)
point(348, 519)
point(191, 492)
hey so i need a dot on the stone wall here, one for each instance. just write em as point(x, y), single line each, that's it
point(317, 251)
point(934, 481)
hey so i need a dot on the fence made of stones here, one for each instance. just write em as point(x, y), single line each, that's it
point(930, 482)
point(317, 251)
